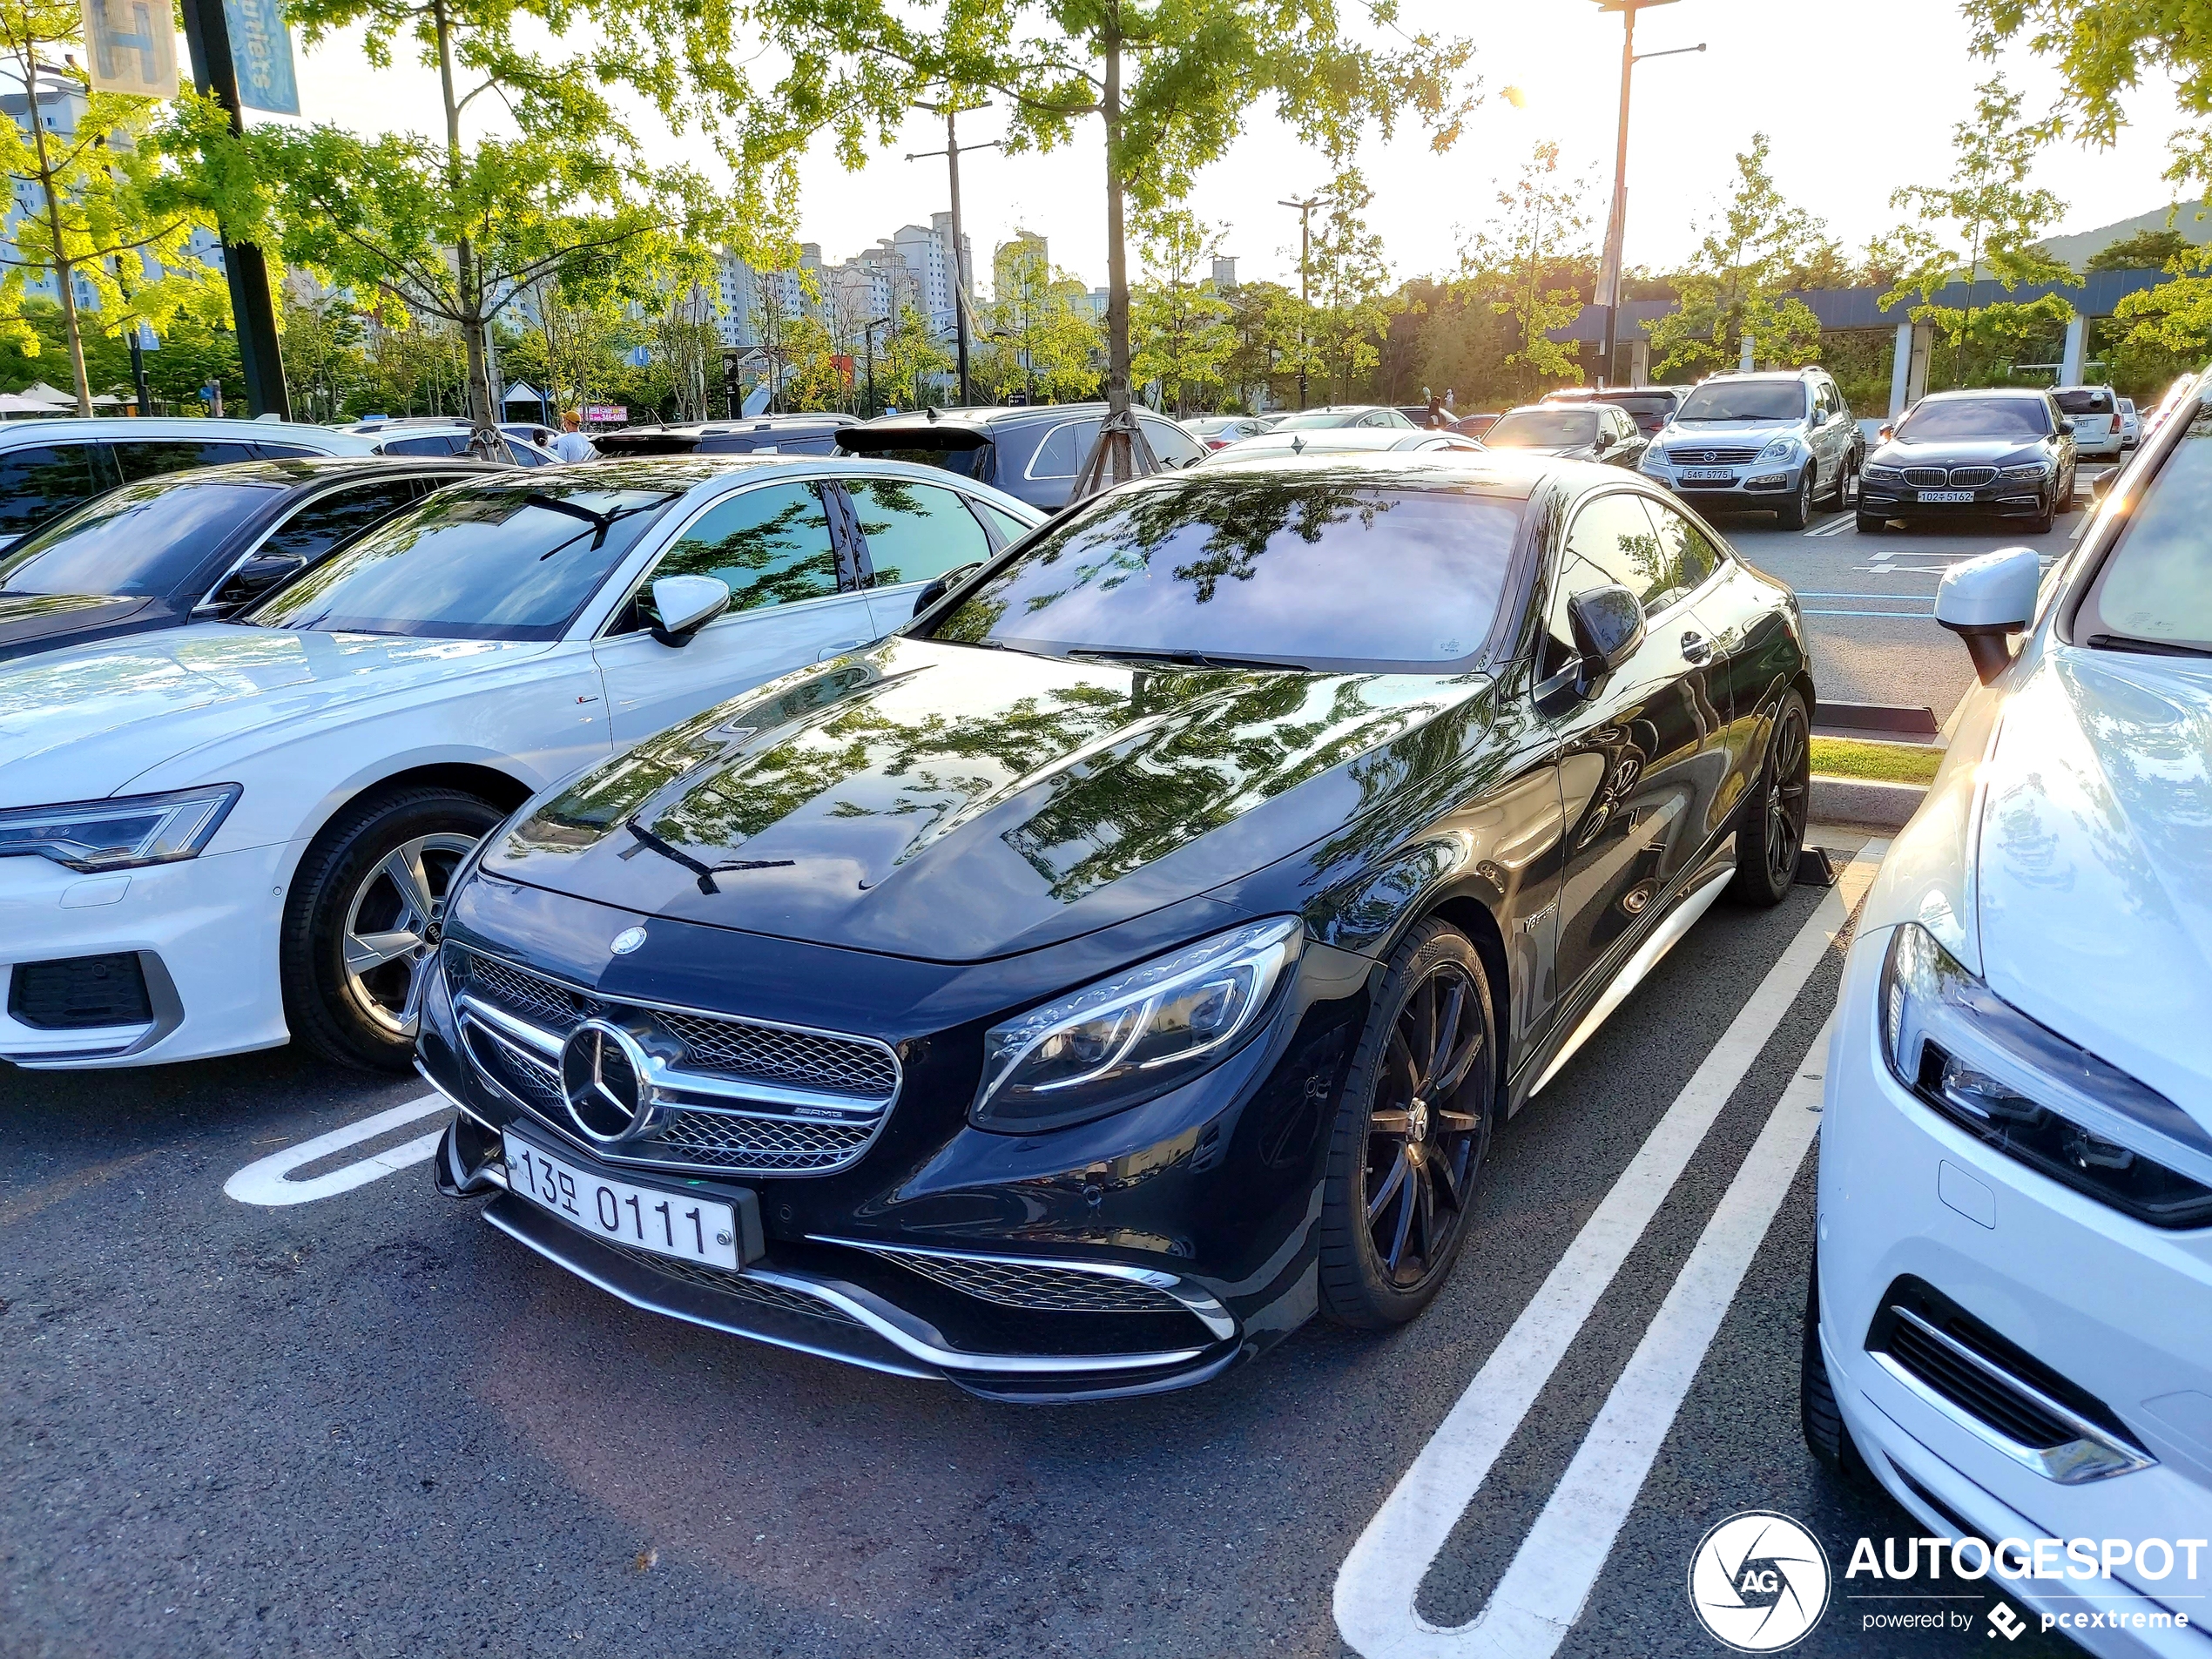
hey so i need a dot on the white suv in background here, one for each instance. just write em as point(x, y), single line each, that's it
point(2008, 1317)
point(2095, 410)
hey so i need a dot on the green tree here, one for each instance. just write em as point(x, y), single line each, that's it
point(1038, 331)
point(1351, 298)
point(1172, 82)
point(1263, 322)
point(326, 365)
point(1998, 223)
point(1737, 285)
point(1543, 226)
point(910, 361)
point(2144, 251)
point(1178, 321)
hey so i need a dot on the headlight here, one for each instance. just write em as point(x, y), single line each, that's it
point(1881, 475)
point(2033, 1094)
point(2034, 474)
point(1780, 449)
point(1653, 462)
point(119, 834)
point(1124, 1040)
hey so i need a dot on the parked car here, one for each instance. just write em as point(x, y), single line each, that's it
point(1066, 996)
point(1650, 407)
point(167, 550)
point(1473, 426)
point(2182, 393)
point(2003, 451)
point(784, 435)
point(1218, 431)
point(1031, 451)
point(1593, 432)
point(215, 838)
point(2006, 1326)
point(1782, 440)
point(444, 434)
point(1340, 414)
point(48, 467)
point(2131, 427)
point(1345, 440)
point(2094, 411)
point(1427, 419)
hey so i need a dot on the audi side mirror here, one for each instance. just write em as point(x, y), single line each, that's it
point(1986, 601)
point(685, 604)
point(944, 584)
point(1609, 626)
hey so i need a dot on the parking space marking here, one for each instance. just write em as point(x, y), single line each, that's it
point(1835, 526)
point(1378, 1585)
point(267, 1181)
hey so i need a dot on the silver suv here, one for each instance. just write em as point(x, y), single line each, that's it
point(1781, 440)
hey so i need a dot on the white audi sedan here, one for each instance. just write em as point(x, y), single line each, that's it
point(2010, 1318)
point(231, 833)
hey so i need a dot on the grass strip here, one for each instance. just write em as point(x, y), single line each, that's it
point(1889, 763)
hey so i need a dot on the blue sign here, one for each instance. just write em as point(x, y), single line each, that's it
point(261, 52)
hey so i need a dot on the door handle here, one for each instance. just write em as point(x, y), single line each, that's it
point(829, 651)
point(1695, 647)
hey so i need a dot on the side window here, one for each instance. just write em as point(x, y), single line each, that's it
point(41, 484)
point(1687, 556)
point(772, 546)
point(1169, 444)
point(523, 456)
point(1614, 535)
point(285, 452)
point(1063, 450)
point(150, 458)
point(436, 443)
point(322, 523)
point(1009, 528)
point(915, 532)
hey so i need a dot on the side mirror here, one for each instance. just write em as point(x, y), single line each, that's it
point(2067, 427)
point(2100, 486)
point(253, 578)
point(1609, 626)
point(944, 584)
point(1886, 433)
point(687, 603)
point(1985, 600)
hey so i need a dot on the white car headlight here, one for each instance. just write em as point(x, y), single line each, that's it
point(2034, 1096)
point(1780, 449)
point(1124, 1040)
point(119, 834)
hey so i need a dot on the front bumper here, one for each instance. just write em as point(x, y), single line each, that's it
point(204, 931)
point(2000, 500)
point(1749, 487)
point(2114, 1307)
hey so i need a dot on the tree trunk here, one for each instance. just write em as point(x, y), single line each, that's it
point(464, 259)
point(1117, 353)
point(64, 271)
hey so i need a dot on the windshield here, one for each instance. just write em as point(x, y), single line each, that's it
point(1305, 569)
point(1960, 418)
point(1542, 429)
point(482, 562)
point(2156, 588)
point(2085, 399)
point(143, 539)
point(1745, 401)
point(1314, 419)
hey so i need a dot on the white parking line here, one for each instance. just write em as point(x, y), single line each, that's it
point(1835, 526)
point(1380, 1579)
point(267, 1181)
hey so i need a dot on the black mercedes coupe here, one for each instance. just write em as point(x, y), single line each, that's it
point(1133, 956)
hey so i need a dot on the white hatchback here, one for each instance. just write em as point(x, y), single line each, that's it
point(2009, 1326)
point(225, 835)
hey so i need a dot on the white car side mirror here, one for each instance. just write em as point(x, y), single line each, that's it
point(1984, 600)
point(687, 603)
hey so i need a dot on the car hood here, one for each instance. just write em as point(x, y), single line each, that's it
point(1565, 451)
point(80, 723)
point(26, 618)
point(1955, 452)
point(955, 804)
point(2096, 863)
point(1728, 435)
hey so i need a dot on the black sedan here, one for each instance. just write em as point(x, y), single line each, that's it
point(191, 545)
point(2005, 452)
point(1032, 451)
point(1070, 995)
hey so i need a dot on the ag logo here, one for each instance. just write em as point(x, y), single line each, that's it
point(1758, 1582)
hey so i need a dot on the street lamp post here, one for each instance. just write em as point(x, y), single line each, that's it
point(867, 344)
point(1617, 217)
point(961, 276)
point(1319, 198)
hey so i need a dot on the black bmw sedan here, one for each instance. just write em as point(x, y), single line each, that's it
point(2004, 452)
point(1132, 957)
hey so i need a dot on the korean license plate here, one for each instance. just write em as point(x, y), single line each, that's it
point(1706, 475)
point(682, 1224)
point(1946, 495)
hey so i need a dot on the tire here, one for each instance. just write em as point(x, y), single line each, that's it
point(1772, 829)
point(358, 881)
point(2041, 524)
point(1870, 526)
point(1398, 1174)
point(1827, 1436)
point(1797, 511)
point(1846, 470)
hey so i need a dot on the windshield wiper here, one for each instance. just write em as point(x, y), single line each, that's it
point(705, 872)
point(1183, 658)
point(2155, 647)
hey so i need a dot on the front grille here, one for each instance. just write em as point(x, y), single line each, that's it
point(1048, 1290)
point(1737, 456)
point(1972, 478)
point(1973, 1390)
point(795, 1144)
point(770, 1054)
point(1927, 477)
point(529, 1080)
point(79, 993)
point(730, 1284)
point(529, 996)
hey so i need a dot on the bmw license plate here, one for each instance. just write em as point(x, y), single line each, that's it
point(1706, 475)
point(682, 1224)
point(1959, 495)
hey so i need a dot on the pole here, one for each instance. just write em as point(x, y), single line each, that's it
point(1304, 276)
point(1608, 275)
point(138, 368)
point(207, 37)
point(959, 260)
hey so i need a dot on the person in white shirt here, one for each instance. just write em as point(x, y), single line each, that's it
point(572, 445)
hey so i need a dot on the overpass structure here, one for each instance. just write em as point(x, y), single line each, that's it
point(2095, 295)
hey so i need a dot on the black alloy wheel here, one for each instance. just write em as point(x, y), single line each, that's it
point(1413, 1129)
point(1773, 829)
point(1797, 513)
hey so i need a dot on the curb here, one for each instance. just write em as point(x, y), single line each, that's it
point(1858, 800)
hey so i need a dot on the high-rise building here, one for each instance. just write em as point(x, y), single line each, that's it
point(1225, 273)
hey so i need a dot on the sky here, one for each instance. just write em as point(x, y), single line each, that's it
point(1858, 98)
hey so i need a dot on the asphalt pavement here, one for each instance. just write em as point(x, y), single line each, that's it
point(366, 1423)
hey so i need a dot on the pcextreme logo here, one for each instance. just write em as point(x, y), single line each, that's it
point(1758, 1582)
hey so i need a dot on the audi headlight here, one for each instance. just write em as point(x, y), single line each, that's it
point(2035, 1096)
point(1780, 449)
point(119, 834)
point(1145, 1031)
point(2035, 473)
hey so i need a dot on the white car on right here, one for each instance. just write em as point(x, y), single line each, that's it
point(2010, 1322)
point(2095, 410)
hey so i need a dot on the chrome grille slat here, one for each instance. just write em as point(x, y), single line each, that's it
point(1046, 1289)
point(1927, 477)
point(725, 1139)
point(1715, 456)
point(1972, 478)
point(775, 1056)
point(720, 1279)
